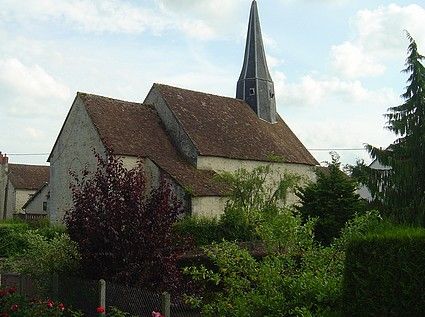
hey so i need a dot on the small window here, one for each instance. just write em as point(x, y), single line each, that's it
point(44, 205)
point(271, 93)
point(252, 91)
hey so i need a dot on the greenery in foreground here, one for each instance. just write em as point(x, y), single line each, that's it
point(298, 277)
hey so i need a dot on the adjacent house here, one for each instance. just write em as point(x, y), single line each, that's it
point(18, 184)
point(183, 135)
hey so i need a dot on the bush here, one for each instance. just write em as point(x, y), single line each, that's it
point(202, 230)
point(331, 199)
point(385, 274)
point(123, 231)
point(11, 240)
point(254, 199)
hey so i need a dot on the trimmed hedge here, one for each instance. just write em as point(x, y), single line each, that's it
point(385, 274)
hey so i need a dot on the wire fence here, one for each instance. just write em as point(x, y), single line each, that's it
point(85, 295)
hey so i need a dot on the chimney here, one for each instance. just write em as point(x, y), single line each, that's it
point(4, 160)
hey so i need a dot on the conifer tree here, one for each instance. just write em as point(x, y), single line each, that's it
point(332, 199)
point(401, 188)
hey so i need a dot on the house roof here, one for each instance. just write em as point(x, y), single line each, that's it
point(227, 127)
point(40, 190)
point(134, 129)
point(28, 176)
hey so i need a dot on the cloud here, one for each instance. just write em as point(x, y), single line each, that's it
point(199, 19)
point(379, 38)
point(312, 91)
point(32, 81)
point(352, 61)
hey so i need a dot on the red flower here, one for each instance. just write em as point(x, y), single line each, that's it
point(61, 307)
point(3, 293)
point(4, 314)
point(14, 307)
point(156, 314)
point(12, 290)
point(100, 310)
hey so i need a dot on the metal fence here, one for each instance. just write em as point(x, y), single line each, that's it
point(86, 295)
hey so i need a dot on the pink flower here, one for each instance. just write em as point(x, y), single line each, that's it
point(156, 314)
point(14, 307)
point(50, 303)
point(100, 310)
point(61, 307)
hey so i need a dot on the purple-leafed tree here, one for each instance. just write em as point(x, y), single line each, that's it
point(123, 228)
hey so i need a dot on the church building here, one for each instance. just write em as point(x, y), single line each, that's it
point(183, 135)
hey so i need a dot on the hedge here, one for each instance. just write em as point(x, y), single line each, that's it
point(385, 274)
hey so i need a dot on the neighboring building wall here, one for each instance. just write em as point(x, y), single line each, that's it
point(72, 152)
point(3, 182)
point(220, 164)
point(179, 137)
point(10, 200)
point(36, 205)
point(21, 197)
point(208, 206)
point(363, 191)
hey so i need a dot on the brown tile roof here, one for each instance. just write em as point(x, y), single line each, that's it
point(28, 176)
point(135, 129)
point(227, 127)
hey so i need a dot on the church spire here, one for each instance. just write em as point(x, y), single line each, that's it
point(255, 84)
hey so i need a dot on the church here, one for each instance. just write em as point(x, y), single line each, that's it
point(185, 136)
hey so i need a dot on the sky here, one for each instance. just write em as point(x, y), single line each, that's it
point(336, 64)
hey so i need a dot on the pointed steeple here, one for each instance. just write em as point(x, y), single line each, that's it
point(255, 84)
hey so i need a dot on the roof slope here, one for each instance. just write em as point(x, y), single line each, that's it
point(135, 129)
point(28, 176)
point(227, 127)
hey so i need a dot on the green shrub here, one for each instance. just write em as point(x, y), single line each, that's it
point(42, 256)
point(331, 199)
point(202, 230)
point(385, 274)
point(11, 241)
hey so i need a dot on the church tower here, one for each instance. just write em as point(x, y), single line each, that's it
point(255, 84)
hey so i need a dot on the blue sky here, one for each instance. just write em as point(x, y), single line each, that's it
point(336, 63)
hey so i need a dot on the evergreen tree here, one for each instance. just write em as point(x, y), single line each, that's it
point(401, 189)
point(331, 199)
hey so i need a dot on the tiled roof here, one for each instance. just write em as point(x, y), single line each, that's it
point(227, 127)
point(28, 176)
point(134, 129)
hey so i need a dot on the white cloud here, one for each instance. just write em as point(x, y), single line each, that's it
point(199, 19)
point(31, 81)
point(311, 91)
point(352, 61)
point(379, 38)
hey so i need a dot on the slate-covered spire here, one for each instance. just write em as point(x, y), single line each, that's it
point(255, 84)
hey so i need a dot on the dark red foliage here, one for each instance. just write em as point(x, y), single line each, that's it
point(123, 229)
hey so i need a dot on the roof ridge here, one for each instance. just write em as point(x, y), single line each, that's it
point(28, 165)
point(84, 94)
point(199, 92)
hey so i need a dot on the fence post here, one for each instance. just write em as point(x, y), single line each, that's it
point(165, 304)
point(102, 295)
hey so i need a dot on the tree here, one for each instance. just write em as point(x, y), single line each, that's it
point(124, 232)
point(401, 189)
point(332, 199)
